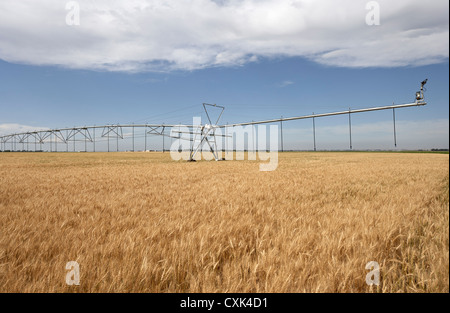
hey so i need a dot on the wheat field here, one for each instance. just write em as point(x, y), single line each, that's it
point(140, 222)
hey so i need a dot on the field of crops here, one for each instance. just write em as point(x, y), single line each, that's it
point(140, 222)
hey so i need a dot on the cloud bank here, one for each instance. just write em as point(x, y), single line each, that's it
point(7, 129)
point(164, 35)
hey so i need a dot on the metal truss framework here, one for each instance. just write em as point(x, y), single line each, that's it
point(200, 135)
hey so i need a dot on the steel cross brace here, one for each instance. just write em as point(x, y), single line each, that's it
point(113, 129)
point(205, 131)
point(155, 130)
point(73, 132)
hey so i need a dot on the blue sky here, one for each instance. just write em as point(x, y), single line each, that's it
point(252, 85)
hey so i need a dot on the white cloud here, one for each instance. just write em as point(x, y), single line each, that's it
point(138, 35)
point(7, 129)
point(286, 83)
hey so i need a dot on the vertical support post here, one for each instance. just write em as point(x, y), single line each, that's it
point(67, 140)
point(109, 129)
point(164, 143)
point(74, 134)
point(56, 142)
point(50, 138)
point(171, 141)
point(133, 137)
point(226, 140)
point(253, 135)
point(314, 132)
point(395, 131)
point(117, 139)
point(85, 139)
point(350, 127)
point(145, 141)
point(93, 130)
point(281, 123)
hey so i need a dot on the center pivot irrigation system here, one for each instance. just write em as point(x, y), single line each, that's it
point(199, 134)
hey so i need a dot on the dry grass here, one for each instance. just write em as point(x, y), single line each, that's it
point(139, 222)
